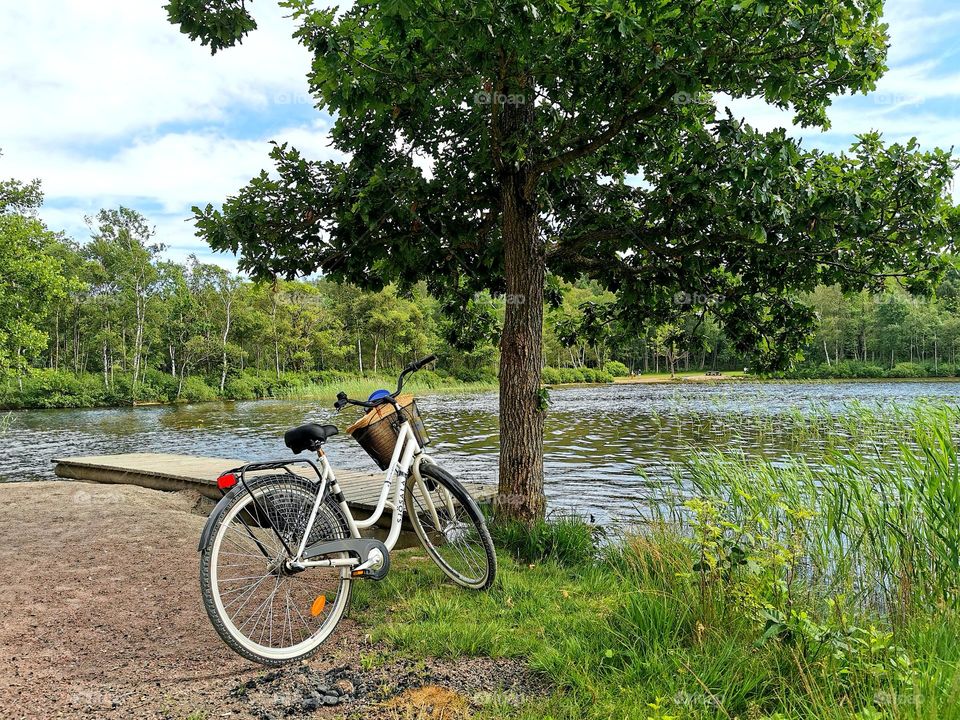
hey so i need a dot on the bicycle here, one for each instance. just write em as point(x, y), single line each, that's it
point(280, 551)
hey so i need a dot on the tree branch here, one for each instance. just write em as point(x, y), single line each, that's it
point(584, 147)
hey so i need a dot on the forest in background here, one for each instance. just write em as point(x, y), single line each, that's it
point(110, 321)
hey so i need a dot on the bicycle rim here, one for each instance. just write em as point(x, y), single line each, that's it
point(451, 527)
point(272, 615)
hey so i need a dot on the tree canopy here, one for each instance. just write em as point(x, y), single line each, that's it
point(492, 144)
point(30, 277)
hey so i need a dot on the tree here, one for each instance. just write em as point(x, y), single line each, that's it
point(223, 289)
point(121, 246)
point(30, 275)
point(532, 117)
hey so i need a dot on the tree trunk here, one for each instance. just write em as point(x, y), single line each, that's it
point(228, 309)
point(141, 311)
point(521, 357)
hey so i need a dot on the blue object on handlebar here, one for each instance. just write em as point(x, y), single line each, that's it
point(378, 395)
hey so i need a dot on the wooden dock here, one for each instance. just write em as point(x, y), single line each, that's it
point(164, 471)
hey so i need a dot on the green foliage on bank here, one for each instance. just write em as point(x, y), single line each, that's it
point(855, 369)
point(795, 591)
point(567, 376)
point(59, 389)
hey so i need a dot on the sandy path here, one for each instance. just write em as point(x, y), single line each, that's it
point(100, 616)
point(89, 624)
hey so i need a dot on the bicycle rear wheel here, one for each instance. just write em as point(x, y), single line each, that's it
point(262, 610)
point(451, 527)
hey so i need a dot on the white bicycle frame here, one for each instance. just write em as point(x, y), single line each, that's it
point(407, 457)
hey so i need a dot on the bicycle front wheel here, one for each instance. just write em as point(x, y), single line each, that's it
point(263, 610)
point(451, 527)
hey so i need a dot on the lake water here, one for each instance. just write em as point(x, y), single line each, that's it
point(608, 448)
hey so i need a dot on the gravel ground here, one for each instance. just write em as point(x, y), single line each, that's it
point(100, 616)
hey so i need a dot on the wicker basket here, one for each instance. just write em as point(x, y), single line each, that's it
point(378, 430)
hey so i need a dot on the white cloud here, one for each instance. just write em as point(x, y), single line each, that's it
point(90, 71)
point(108, 103)
point(175, 170)
point(168, 175)
point(918, 25)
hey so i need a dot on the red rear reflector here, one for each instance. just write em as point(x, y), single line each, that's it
point(226, 481)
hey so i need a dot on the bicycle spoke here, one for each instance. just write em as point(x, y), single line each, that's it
point(267, 604)
point(451, 531)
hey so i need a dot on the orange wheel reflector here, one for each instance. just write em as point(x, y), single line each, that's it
point(318, 605)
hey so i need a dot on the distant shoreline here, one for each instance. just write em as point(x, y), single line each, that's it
point(362, 386)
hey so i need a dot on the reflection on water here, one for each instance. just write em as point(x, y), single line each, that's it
point(606, 447)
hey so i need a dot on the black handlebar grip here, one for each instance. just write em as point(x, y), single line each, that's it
point(426, 361)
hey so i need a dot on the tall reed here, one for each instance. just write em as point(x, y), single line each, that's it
point(879, 521)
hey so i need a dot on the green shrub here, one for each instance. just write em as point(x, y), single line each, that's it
point(616, 368)
point(243, 387)
point(45, 388)
point(157, 387)
point(550, 376)
point(571, 376)
point(196, 390)
point(566, 540)
point(853, 369)
point(906, 370)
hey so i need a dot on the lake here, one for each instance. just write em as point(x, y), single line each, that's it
point(608, 448)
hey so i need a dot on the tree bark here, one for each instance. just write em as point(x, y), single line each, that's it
point(228, 311)
point(521, 356)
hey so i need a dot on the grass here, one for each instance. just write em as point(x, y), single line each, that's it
point(648, 377)
point(44, 388)
point(362, 387)
point(764, 592)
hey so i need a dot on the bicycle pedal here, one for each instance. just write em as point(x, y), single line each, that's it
point(375, 568)
point(368, 574)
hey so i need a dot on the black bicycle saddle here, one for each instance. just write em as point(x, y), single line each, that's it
point(308, 437)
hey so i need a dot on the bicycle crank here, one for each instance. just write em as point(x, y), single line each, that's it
point(373, 555)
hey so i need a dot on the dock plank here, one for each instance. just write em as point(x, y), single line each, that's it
point(167, 471)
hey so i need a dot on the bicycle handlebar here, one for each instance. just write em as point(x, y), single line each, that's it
point(343, 400)
point(414, 366)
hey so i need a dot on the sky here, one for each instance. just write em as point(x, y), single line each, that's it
point(108, 104)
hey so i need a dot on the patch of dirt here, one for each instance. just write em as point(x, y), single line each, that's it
point(101, 617)
point(430, 702)
point(396, 688)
